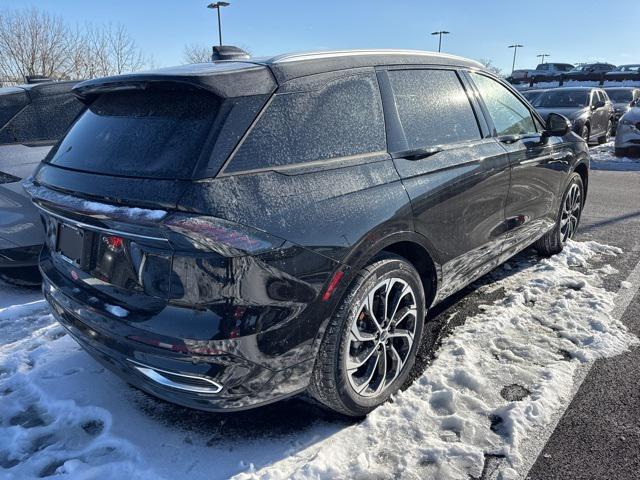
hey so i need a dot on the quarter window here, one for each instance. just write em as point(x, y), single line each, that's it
point(433, 107)
point(344, 118)
point(510, 116)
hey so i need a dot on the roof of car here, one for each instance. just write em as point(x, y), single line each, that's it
point(573, 88)
point(254, 76)
point(291, 65)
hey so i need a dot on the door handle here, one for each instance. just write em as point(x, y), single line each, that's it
point(417, 153)
point(510, 138)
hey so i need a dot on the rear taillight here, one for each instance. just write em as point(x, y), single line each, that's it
point(113, 243)
point(221, 236)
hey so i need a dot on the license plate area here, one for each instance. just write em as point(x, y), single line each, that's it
point(71, 244)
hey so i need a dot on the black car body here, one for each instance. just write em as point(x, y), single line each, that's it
point(589, 71)
point(210, 276)
point(590, 110)
point(33, 118)
point(624, 72)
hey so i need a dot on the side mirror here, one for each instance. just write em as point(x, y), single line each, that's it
point(557, 125)
point(599, 104)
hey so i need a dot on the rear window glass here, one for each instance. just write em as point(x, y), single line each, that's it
point(433, 107)
point(343, 118)
point(153, 134)
point(10, 104)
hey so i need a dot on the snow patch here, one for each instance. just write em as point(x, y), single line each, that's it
point(527, 345)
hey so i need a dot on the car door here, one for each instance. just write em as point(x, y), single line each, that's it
point(538, 164)
point(455, 173)
point(599, 113)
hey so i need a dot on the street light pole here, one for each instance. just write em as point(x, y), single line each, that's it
point(440, 33)
point(217, 6)
point(515, 47)
point(543, 55)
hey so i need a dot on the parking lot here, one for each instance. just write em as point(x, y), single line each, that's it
point(520, 383)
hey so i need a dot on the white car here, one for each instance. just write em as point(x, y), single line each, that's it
point(628, 132)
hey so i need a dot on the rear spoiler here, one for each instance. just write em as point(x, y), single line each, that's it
point(224, 79)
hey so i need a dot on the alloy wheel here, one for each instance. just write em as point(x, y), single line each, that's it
point(570, 213)
point(381, 337)
point(585, 133)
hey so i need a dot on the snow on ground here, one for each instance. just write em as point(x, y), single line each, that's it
point(496, 376)
point(603, 158)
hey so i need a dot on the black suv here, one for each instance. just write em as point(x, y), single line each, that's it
point(225, 235)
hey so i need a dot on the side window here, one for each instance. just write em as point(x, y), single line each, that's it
point(341, 119)
point(544, 66)
point(594, 97)
point(433, 107)
point(510, 116)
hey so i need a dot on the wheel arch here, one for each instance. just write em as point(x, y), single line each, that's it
point(583, 170)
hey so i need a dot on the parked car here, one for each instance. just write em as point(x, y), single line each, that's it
point(624, 72)
point(627, 141)
point(542, 70)
point(531, 95)
point(228, 234)
point(32, 118)
point(589, 71)
point(589, 109)
point(623, 98)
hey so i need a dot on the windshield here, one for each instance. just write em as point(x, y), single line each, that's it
point(152, 134)
point(576, 98)
point(620, 96)
point(579, 68)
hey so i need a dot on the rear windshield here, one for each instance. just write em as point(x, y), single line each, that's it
point(150, 134)
point(556, 99)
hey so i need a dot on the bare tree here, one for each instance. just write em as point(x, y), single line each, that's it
point(33, 42)
point(488, 64)
point(196, 54)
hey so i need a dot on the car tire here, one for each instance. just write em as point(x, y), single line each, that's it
point(585, 132)
point(620, 152)
point(607, 134)
point(336, 382)
point(568, 219)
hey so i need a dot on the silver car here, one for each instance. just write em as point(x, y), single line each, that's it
point(628, 133)
point(32, 119)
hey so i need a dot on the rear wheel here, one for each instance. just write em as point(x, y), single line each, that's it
point(585, 133)
point(568, 219)
point(370, 345)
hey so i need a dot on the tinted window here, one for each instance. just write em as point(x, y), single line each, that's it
point(44, 119)
point(10, 104)
point(433, 107)
point(342, 118)
point(158, 134)
point(510, 116)
point(562, 98)
point(620, 96)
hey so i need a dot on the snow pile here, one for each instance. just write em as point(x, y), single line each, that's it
point(496, 377)
point(602, 157)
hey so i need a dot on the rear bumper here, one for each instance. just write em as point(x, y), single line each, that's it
point(179, 377)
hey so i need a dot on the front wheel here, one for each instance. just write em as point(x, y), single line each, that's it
point(607, 134)
point(585, 133)
point(370, 345)
point(568, 219)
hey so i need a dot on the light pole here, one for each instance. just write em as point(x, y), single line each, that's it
point(440, 33)
point(543, 55)
point(217, 7)
point(515, 47)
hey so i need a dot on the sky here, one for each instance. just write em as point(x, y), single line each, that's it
point(570, 31)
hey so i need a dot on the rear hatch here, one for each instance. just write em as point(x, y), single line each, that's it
point(108, 190)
